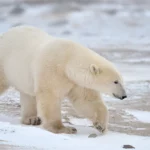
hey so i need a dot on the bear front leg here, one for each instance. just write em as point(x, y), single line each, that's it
point(29, 110)
point(100, 120)
point(89, 104)
point(49, 110)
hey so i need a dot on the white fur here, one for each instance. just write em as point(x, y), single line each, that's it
point(46, 70)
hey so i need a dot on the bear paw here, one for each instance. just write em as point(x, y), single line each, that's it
point(100, 127)
point(32, 120)
point(69, 130)
point(62, 129)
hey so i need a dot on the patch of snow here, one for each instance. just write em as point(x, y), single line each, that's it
point(35, 11)
point(140, 129)
point(4, 27)
point(6, 118)
point(39, 138)
point(82, 122)
point(10, 96)
point(134, 73)
point(143, 116)
point(141, 60)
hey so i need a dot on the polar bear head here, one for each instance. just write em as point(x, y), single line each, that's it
point(90, 70)
point(108, 80)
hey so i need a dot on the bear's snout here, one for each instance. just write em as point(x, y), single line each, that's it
point(123, 97)
point(120, 97)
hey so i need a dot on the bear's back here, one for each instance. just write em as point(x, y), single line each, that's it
point(23, 40)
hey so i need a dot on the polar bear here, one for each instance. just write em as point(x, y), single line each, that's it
point(46, 69)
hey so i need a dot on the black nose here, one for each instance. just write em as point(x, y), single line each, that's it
point(123, 97)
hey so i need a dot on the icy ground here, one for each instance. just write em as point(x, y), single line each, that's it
point(37, 138)
point(121, 33)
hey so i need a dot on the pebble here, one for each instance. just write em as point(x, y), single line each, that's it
point(93, 135)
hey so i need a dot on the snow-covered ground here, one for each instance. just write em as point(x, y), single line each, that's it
point(140, 115)
point(38, 138)
point(118, 32)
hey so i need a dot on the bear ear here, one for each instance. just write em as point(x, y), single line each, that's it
point(95, 69)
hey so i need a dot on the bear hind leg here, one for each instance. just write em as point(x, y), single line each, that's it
point(29, 110)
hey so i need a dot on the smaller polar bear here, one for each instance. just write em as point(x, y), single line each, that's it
point(45, 70)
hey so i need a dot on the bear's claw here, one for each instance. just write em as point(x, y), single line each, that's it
point(31, 120)
point(69, 130)
point(35, 121)
point(99, 127)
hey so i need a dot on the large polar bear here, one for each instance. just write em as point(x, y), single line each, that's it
point(45, 70)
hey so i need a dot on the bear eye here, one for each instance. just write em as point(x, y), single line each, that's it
point(116, 82)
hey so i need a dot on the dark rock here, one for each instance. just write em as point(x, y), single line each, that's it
point(92, 135)
point(128, 147)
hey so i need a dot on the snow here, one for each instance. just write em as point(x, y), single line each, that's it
point(143, 116)
point(39, 138)
point(82, 122)
point(104, 29)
